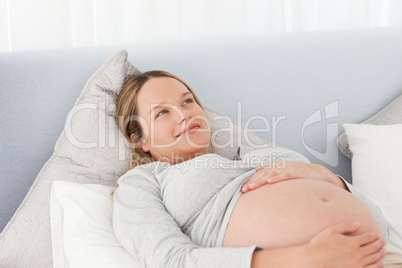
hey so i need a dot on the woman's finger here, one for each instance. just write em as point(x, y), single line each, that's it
point(374, 259)
point(256, 176)
point(378, 264)
point(345, 228)
point(251, 181)
point(264, 167)
point(367, 238)
point(280, 177)
point(373, 247)
point(257, 180)
point(258, 169)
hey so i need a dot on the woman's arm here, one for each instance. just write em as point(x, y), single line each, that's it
point(148, 232)
point(151, 235)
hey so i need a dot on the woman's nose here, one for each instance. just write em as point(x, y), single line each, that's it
point(184, 114)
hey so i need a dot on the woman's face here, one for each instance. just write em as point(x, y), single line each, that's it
point(166, 107)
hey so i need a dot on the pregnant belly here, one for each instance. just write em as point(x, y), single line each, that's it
point(292, 212)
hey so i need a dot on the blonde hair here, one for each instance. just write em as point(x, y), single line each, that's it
point(127, 111)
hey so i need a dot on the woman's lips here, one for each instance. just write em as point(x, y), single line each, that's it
point(191, 129)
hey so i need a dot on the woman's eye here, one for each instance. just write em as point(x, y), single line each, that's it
point(162, 112)
point(191, 100)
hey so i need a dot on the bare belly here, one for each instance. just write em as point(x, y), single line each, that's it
point(292, 212)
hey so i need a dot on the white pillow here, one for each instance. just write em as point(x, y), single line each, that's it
point(389, 115)
point(377, 172)
point(82, 230)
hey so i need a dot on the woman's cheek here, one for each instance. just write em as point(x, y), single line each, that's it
point(164, 127)
point(200, 115)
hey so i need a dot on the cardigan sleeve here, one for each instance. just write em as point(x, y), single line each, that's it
point(149, 233)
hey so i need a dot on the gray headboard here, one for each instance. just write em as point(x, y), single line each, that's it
point(303, 85)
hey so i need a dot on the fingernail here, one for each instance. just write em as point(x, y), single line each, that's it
point(356, 223)
point(269, 180)
point(244, 188)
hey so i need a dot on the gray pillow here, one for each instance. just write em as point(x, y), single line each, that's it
point(391, 114)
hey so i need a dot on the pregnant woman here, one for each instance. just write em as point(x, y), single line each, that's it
point(182, 205)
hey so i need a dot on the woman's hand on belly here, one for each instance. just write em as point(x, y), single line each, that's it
point(337, 246)
point(282, 171)
point(334, 247)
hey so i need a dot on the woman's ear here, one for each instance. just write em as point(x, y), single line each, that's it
point(143, 146)
point(138, 144)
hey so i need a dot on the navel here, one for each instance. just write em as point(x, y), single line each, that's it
point(324, 199)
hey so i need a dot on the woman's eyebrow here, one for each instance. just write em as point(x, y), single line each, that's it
point(160, 104)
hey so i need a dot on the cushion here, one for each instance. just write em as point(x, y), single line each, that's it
point(91, 150)
point(377, 173)
point(82, 230)
point(391, 114)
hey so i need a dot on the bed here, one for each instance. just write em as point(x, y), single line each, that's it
point(58, 137)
